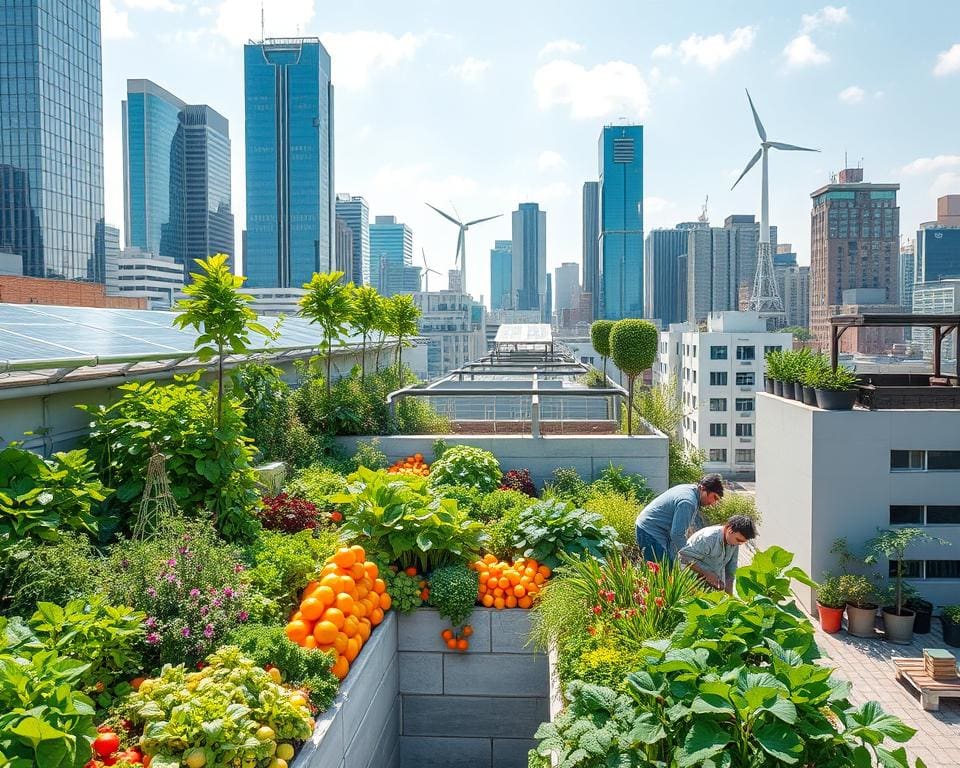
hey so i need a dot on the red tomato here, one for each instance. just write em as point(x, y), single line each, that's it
point(106, 744)
point(104, 729)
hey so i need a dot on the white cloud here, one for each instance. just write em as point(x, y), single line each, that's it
point(470, 70)
point(658, 211)
point(710, 52)
point(613, 88)
point(945, 184)
point(549, 160)
point(827, 16)
point(664, 51)
point(239, 20)
point(115, 24)
point(803, 52)
point(559, 48)
point(852, 95)
point(948, 62)
point(356, 56)
point(931, 164)
point(154, 5)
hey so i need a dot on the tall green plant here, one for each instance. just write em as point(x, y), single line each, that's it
point(368, 309)
point(222, 316)
point(330, 304)
point(892, 544)
point(600, 339)
point(401, 315)
point(633, 347)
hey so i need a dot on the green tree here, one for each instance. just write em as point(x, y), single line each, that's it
point(330, 304)
point(222, 315)
point(633, 347)
point(401, 321)
point(600, 338)
point(799, 333)
point(368, 309)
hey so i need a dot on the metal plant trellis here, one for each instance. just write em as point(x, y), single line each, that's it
point(157, 504)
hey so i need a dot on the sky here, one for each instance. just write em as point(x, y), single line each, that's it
point(482, 106)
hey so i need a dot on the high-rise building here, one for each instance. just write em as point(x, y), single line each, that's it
point(663, 284)
point(936, 298)
point(453, 325)
point(938, 243)
point(391, 249)
point(399, 278)
point(501, 275)
point(529, 256)
point(948, 210)
point(793, 285)
point(546, 313)
point(621, 221)
point(51, 137)
point(566, 285)
point(289, 161)
point(455, 280)
point(591, 243)
point(355, 213)
point(343, 249)
point(908, 273)
point(854, 243)
point(176, 176)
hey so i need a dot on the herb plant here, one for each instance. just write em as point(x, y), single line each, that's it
point(618, 511)
point(518, 480)
point(287, 513)
point(453, 592)
point(466, 465)
point(496, 505)
point(614, 479)
point(567, 485)
point(404, 590)
point(552, 527)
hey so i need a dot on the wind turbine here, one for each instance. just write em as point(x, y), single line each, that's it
point(426, 271)
point(765, 298)
point(461, 254)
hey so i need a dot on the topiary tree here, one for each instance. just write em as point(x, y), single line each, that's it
point(600, 338)
point(633, 347)
point(330, 304)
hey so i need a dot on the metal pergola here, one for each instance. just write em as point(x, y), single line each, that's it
point(942, 326)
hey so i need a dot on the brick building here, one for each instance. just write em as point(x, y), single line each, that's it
point(64, 293)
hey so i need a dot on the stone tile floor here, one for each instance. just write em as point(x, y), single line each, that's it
point(865, 662)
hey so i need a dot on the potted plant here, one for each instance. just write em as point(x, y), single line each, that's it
point(815, 365)
point(836, 389)
point(795, 365)
point(860, 595)
point(950, 620)
point(774, 372)
point(830, 604)
point(922, 612)
point(892, 544)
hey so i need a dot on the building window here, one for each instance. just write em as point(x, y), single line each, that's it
point(718, 353)
point(718, 403)
point(912, 569)
point(694, 350)
point(943, 514)
point(943, 460)
point(743, 404)
point(942, 569)
point(746, 379)
point(718, 454)
point(744, 430)
point(773, 348)
point(718, 378)
point(906, 461)
point(747, 353)
point(694, 376)
point(743, 456)
point(718, 430)
point(906, 514)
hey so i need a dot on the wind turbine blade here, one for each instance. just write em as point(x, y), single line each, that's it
point(423, 253)
point(456, 259)
point(753, 162)
point(779, 145)
point(480, 221)
point(756, 119)
point(454, 208)
point(447, 216)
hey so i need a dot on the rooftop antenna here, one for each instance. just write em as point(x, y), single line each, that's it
point(263, 24)
point(703, 218)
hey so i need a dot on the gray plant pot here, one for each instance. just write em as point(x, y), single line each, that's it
point(861, 622)
point(768, 385)
point(831, 400)
point(798, 391)
point(899, 629)
point(778, 387)
point(788, 390)
point(809, 396)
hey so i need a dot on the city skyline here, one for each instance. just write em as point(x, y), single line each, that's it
point(680, 79)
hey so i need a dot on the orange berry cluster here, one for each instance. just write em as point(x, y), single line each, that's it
point(456, 639)
point(509, 585)
point(412, 465)
point(338, 612)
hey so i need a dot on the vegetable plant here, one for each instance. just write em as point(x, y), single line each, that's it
point(613, 478)
point(518, 480)
point(404, 589)
point(453, 592)
point(493, 506)
point(287, 513)
point(830, 593)
point(618, 511)
point(568, 486)
point(466, 465)
point(892, 544)
point(633, 347)
point(550, 528)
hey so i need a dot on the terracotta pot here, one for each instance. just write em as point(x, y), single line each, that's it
point(898, 627)
point(831, 619)
point(861, 622)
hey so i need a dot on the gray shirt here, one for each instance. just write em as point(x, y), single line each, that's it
point(672, 516)
point(710, 551)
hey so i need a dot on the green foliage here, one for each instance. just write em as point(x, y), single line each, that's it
point(302, 668)
point(368, 310)
point(951, 613)
point(660, 406)
point(317, 484)
point(502, 533)
point(607, 665)
point(467, 497)
point(614, 480)
point(217, 711)
point(857, 590)
point(466, 465)
point(40, 498)
point(892, 544)
point(369, 455)
point(404, 590)
point(594, 378)
point(830, 593)
point(567, 485)
point(768, 574)
point(817, 366)
point(799, 333)
point(600, 338)
point(618, 511)
point(399, 518)
point(633, 348)
point(774, 364)
point(840, 380)
point(551, 528)
point(794, 364)
point(731, 504)
point(495, 505)
point(328, 303)
point(400, 316)
point(453, 592)
point(439, 448)
point(209, 467)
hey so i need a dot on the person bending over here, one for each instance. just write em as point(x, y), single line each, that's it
point(667, 521)
point(711, 552)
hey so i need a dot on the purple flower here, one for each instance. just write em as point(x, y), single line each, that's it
point(217, 603)
point(172, 562)
point(237, 568)
point(228, 592)
point(171, 577)
point(204, 611)
point(185, 631)
point(153, 638)
point(124, 563)
point(151, 621)
point(151, 591)
point(194, 593)
point(243, 616)
point(208, 631)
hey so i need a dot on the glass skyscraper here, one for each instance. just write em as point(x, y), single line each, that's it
point(591, 243)
point(501, 275)
point(51, 137)
point(391, 249)
point(621, 221)
point(937, 252)
point(289, 161)
point(529, 278)
point(355, 212)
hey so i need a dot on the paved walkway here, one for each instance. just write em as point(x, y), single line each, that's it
point(866, 663)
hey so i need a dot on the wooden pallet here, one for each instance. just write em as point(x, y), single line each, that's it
point(931, 691)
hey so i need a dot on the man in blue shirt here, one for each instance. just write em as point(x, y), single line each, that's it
point(666, 522)
point(711, 552)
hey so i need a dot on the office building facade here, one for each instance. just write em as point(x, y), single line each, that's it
point(937, 252)
point(355, 213)
point(591, 243)
point(621, 221)
point(936, 298)
point(908, 273)
point(453, 325)
point(51, 137)
point(391, 249)
point(501, 275)
point(566, 285)
point(289, 161)
point(343, 250)
point(140, 274)
point(664, 279)
point(529, 263)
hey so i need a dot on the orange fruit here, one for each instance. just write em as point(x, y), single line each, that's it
point(529, 572)
point(362, 591)
point(379, 586)
point(365, 628)
point(344, 557)
point(532, 588)
point(463, 644)
point(328, 569)
point(361, 608)
point(359, 553)
point(525, 602)
point(311, 608)
point(446, 634)
point(311, 585)
point(503, 582)
point(498, 603)
point(498, 592)
point(309, 642)
point(510, 601)
point(467, 630)
point(357, 572)
point(345, 603)
point(371, 570)
point(519, 591)
point(325, 633)
point(296, 616)
point(385, 602)
point(452, 643)
point(346, 584)
point(350, 625)
point(332, 581)
point(341, 667)
point(376, 616)
point(514, 578)
point(411, 571)
point(297, 630)
point(340, 642)
point(353, 648)
point(334, 616)
point(545, 571)
point(539, 579)
point(324, 594)
point(373, 600)
point(487, 600)
point(493, 582)
point(489, 558)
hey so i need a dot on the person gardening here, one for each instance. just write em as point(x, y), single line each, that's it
point(666, 522)
point(711, 552)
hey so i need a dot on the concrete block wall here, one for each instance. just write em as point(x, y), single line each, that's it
point(479, 708)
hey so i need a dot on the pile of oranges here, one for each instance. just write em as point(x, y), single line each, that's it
point(509, 585)
point(456, 639)
point(412, 465)
point(338, 612)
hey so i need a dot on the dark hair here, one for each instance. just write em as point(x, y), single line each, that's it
point(743, 525)
point(712, 484)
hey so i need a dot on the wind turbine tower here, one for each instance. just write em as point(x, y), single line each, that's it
point(461, 254)
point(765, 297)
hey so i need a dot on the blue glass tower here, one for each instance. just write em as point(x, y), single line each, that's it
point(937, 252)
point(391, 249)
point(664, 277)
point(621, 221)
point(501, 277)
point(51, 137)
point(289, 161)
point(529, 280)
point(355, 212)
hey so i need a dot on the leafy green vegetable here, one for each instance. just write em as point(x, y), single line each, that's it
point(453, 592)
point(552, 527)
point(404, 590)
point(466, 465)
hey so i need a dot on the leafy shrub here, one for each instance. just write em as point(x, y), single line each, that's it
point(209, 467)
point(660, 406)
point(404, 590)
point(553, 527)
point(495, 505)
point(951, 613)
point(731, 504)
point(467, 497)
point(466, 465)
point(317, 484)
point(518, 480)
point(287, 513)
point(453, 592)
point(439, 448)
point(398, 518)
point(633, 348)
point(302, 668)
point(502, 533)
point(369, 455)
point(567, 485)
point(618, 511)
point(616, 480)
point(608, 665)
point(594, 378)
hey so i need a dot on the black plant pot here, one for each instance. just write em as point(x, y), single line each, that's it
point(768, 385)
point(778, 387)
point(831, 400)
point(951, 632)
point(923, 612)
point(798, 391)
point(788, 390)
point(809, 396)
